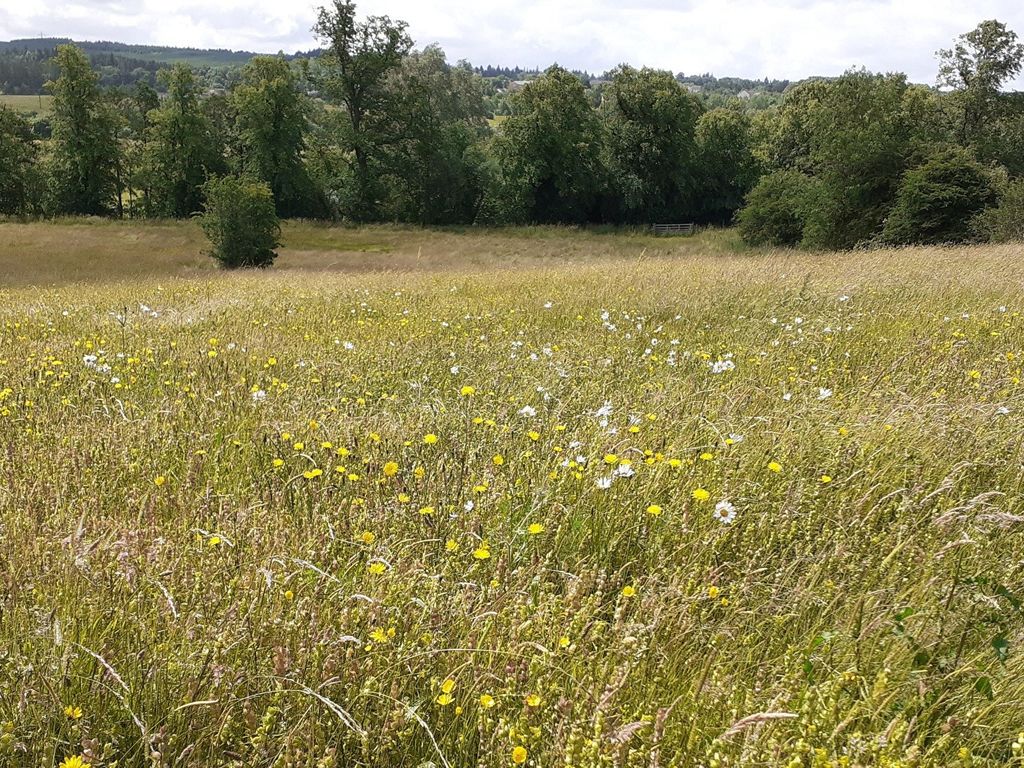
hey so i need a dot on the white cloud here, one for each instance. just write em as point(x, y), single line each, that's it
point(750, 38)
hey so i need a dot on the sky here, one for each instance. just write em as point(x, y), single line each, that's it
point(784, 39)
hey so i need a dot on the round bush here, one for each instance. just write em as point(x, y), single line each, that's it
point(775, 210)
point(938, 201)
point(241, 222)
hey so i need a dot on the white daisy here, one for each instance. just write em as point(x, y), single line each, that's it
point(725, 512)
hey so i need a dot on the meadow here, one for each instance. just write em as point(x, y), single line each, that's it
point(28, 105)
point(538, 497)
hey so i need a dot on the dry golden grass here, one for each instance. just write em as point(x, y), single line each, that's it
point(45, 253)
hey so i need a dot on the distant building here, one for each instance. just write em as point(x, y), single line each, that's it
point(694, 88)
point(745, 95)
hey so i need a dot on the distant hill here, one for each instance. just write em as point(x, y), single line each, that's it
point(26, 64)
point(198, 57)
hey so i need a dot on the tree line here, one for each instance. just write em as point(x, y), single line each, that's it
point(372, 130)
point(26, 72)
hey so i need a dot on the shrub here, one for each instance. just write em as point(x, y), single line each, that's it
point(1005, 222)
point(775, 210)
point(938, 201)
point(241, 222)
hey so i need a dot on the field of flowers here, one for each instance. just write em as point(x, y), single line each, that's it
point(734, 510)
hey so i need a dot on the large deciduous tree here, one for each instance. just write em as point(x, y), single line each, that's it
point(431, 133)
point(976, 68)
point(650, 121)
point(181, 154)
point(856, 136)
point(728, 169)
point(84, 156)
point(271, 124)
point(549, 153)
point(352, 71)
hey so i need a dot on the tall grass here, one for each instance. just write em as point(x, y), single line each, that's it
point(483, 516)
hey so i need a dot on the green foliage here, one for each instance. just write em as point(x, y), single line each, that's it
point(1004, 222)
point(84, 153)
point(181, 153)
point(775, 213)
point(549, 152)
point(399, 136)
point(976, 69)
point(855, 136)
point(938, 201)
point(862, 139)
point(728, 169)
point(329, 165)
point(649, 122)
point(431, 131)
point(1001, 141)
point(18, 170)
point(352, 71)
point(241, 222)
point(271, 123)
